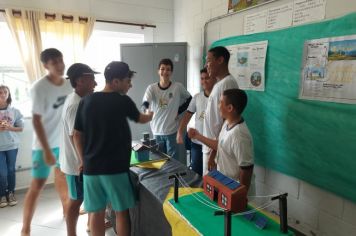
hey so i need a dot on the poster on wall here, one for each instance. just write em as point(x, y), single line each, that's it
point(238, 5)
point(282, 16)
point(329, 70)
point(308, 10)
point(247, 64)
point(255, 23)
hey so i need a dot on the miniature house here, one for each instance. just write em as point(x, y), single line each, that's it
point(228, 193)
point(142, 152)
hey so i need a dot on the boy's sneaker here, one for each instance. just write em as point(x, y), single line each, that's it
point(12, 199)
point(3, 202)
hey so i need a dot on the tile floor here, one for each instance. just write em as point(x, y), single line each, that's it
point(48, 218)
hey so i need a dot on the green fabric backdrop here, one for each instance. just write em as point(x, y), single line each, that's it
point(310, 140)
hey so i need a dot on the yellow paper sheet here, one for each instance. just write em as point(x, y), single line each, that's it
point(154, 165)
point(179, 227)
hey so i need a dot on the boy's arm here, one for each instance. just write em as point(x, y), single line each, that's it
point(183, 125)
point(41, 135)
point(147, 99)
point(211, 143)
point(245, 175)
point(78, 144)
point(211, 160)
point(145, 117)
point(184, 106)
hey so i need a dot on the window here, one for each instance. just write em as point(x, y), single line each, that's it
point(104, 47)
point(12, 73)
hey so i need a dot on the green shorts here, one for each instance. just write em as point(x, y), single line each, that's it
point(75, 187)
point(101, 190)
point(40, 170)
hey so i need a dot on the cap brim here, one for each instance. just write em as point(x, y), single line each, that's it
point(91, 73)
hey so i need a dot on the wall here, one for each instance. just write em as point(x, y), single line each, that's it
point(153, 12)
point(311, 210)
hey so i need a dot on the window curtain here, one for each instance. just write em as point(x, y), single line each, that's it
point(35, 31)
point(69, 34)
point(24, 26)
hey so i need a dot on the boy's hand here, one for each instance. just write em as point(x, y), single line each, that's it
point(80, 168)
point(211, 163)
point(149, 113)
point(192, 133)
point(49, 158)
point(179, 138)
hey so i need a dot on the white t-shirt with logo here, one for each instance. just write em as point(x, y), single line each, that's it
point(198, 106)
point(213, 120)
point(235, 149)
point(165, 103)
point(47, 101)
point(68, 159)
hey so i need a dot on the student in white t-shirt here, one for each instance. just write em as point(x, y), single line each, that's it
point(82, 79)
point(197, 106)
point(48, 96)
point(217, 62)
point(234, 146)
point(167, 99)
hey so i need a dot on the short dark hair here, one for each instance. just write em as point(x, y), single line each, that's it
point(220, 51)
point(237, 98)
point(204, 70)
point(49, 54)
point(9, 99)
point(166, 61)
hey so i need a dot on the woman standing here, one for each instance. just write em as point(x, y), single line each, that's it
point(11, 123)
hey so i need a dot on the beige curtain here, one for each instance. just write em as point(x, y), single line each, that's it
point(69, 34)
point(24, 26)
point(35, 31)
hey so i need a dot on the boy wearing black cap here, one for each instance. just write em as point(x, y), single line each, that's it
point(102, 138)
point(82, 79)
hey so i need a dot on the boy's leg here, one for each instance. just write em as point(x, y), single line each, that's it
point(172, 146)
point(95, 201)
point(40, 173)
point(123, 223)
point(30, 203)
point(11, 165)
point(97, 223)
point(3, 174)
point(75, 192)
point(72, 216)
point(61, 188)
point(60, 182)
point(121, 195)
point(161, 143)
point(197, 158)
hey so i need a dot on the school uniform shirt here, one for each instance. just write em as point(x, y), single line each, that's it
point(8, 139)
point(165, 102)
point(47, 101)
point(102, 120)
point(213, 120)
point(68, 159)
point(235, 149)
point(197, 106)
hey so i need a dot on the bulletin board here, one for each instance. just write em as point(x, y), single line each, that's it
point(311, 140)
